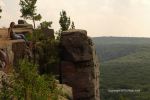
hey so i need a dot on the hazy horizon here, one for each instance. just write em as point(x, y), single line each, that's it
point(119, 18)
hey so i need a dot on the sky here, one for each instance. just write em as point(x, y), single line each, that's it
point(125, 18)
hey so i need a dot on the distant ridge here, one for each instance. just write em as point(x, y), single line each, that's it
point(109, 48)
point(121, 40)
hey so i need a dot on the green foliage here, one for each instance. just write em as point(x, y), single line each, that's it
point(126, 68)
point(120, 46)
point(37, 35)
point(64, 21)
point(48, 54)
point(28, 10)
point(72, 25)
point(47, 50)
point(37, 17)
point(46, 24)
point(58, 34)
point(29, 85)
point(0, 11)
point(5, 93)
point(28, 82)
point(40, 87)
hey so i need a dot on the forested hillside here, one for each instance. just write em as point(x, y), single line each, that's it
point(125, 64)
point(109, 48)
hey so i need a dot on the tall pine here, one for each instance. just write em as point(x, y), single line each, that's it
point(64, 21)
point(0, 11)
point(28, 10)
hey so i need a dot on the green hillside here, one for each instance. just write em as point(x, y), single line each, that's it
point(124, 65)
point(109, 48)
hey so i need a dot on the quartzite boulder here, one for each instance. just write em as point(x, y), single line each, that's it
point(23, 27)
point(15, 49)
point(79, 65)
point(23, 24)
point(75, 46)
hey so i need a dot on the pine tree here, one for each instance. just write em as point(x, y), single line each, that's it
point(0, 11)
point(46, 24)
point(64, 21)
point(28, 10)
point(72, 25)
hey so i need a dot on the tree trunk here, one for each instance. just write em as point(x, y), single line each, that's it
point(33, 23)
point(34, 55)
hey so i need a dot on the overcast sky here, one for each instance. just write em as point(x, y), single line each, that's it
point(98, 17)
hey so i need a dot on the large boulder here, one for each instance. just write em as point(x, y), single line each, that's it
point(15, 49)
point(23, 27)
point(22, 21)
point(3, 33)
point(79, 65)
point(76, 46)
point(23, 24)
point(66, 92)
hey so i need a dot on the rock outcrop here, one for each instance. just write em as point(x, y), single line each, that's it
point(79, 65)
point(23, 27)
point(15, 49)
point(3, 33)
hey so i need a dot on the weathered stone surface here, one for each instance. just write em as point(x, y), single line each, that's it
point(3, 33)
point(49, 33)
point(15, 50)
point(66, 91)
point(79, 65)
point(75, 46)
point(23, 27)
point(4, 59)
point(22, 21)
point(23, 24)
point(19, 50)
point(68, 72)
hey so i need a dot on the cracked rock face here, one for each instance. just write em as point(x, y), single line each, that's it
point(76, 46)
point(13, 51)
point(3, 59)
point(79, 65)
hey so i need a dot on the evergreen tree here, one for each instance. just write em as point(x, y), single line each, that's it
point(0, 11)
point(46, 24)
point(64, 21)
point(72, 25)
point(28, 10)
